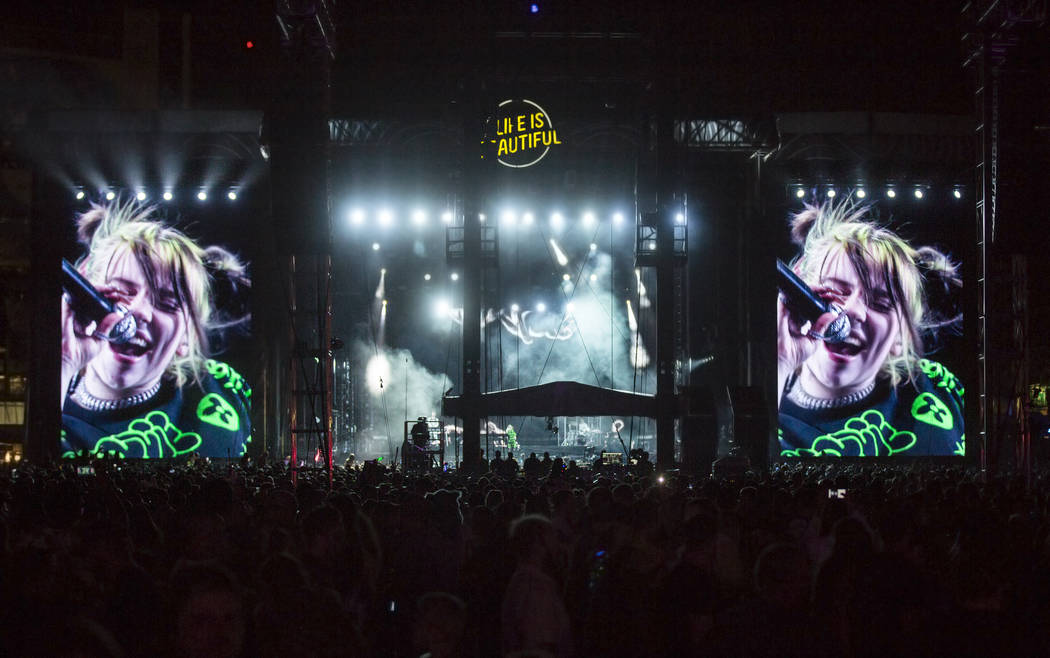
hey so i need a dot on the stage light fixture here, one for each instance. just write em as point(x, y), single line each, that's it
point(557, 221)
point(891, 193)
point(594, 278)
point(454, 276)
point(831, 192)
point(680, 218)
point(447, 216)
point(565, 277)
point(202, 195)
point(957, 193)
point(357, 216)
point(651, 245)
point(534, 8)
point(376, 371)
point(140, 195)
point(442, 308)
point(375, 246)
point(232, 195)
point(80, 195)
point(386, 217)
point(508, 218)
point(618, 218)
point(419, 217)
point(799, 193)
point(167, 196)
point(481, 217)
point(919, 193)
point(426, 277)
point(588, 219)
point(527, 219)
point(110, 195)
point(861, 193)
point(594, 247)
point(541, 307)
point(570, 307)
point(515, 308)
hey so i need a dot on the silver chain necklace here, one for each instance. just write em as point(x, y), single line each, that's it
point(80, 395)
point(807, 401)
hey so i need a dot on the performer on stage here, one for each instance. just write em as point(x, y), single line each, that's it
point(873, 394)
point(420, 433)
point(159, 394)
point(415, 454)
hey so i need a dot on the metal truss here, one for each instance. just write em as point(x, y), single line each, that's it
point(646, 252)
point(995, 28)
point(306, 23)
point(455, 244)
point(352, 132)
point(720, 135)
point(1005, 14)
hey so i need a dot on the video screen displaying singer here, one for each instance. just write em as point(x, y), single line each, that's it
point(149, 388)
point(874, 390)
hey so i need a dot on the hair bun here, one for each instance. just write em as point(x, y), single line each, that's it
point(802, 223)
point(88, 223)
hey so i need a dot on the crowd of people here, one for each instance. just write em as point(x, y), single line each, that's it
point(130, 558)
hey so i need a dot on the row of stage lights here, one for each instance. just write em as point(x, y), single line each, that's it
point(386, 218)
point(111, 194)
point(443, 308)
point(919, 192)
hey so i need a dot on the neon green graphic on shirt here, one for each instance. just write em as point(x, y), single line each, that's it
point(942, 377)
point(152, 436)
point(960, 446)
point(928, 409)
point(866, 435)
point(212, 409)
point(229, 378)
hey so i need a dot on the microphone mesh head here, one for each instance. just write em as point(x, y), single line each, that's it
point(838, 330)
point(124, 329)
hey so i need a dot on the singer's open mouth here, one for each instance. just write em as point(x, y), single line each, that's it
point(849, 348)
point(134, 348)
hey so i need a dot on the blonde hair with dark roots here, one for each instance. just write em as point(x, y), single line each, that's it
point(878, 254)
point(106, 231)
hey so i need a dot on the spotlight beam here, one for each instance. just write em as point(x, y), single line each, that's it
point(559, 255)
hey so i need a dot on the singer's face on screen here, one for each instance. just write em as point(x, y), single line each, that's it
point(123, 370)
point(842, 368)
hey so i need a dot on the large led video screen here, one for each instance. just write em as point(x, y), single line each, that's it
point(154, 315)
point(869, 331)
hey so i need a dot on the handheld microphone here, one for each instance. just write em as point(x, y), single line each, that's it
point(801, 299)
point(91, 305)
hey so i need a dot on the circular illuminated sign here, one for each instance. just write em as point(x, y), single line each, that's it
point(521, 133)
